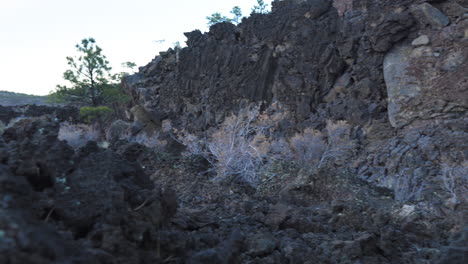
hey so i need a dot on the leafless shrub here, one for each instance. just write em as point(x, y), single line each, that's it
point(118, 130)
point(455, 182)
point(342, 6)
point(407, 188)
point(77, 135)
point(152, 141)
point(340, 146)
point(280, 150)
point(166, 126)
point(243, 145)
point(121, 130)
point(237, 148)
point(308, 147)
point(313, 149)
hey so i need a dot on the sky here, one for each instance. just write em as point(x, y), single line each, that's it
point(37, 35)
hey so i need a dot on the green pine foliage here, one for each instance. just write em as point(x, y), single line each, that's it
point(260, 8)
point(90, 79)
point(91, 114)
point(217, 18)
point(237, 13)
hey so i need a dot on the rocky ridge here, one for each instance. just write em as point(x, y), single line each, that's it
point(394, 70)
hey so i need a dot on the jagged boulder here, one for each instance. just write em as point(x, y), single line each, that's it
point(428, 81)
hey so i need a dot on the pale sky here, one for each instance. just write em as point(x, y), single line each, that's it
point(37, 35)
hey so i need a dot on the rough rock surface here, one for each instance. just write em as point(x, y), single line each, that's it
point(99, 206)
point(338, 60)
point(316, 57)
point(58, 207)
point(399, 200)
point(294, 55)
point(430, 81)
point(8, 113)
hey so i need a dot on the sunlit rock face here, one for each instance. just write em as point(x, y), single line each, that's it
point(426, 76)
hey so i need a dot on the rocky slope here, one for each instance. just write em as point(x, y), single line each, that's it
point(99, 205)
point(62, 113)
point(394, 70)
point(315, 58)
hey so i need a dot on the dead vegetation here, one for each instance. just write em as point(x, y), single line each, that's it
point(77, 135)
point(245, 145)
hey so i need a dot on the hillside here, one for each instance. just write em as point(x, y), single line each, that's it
point(11, 99)
point(326, 131)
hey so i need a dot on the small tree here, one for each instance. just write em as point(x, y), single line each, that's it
point(237, 12)
point(92, 83)
point(217, 18)
point(129, 65)
point(260, 8)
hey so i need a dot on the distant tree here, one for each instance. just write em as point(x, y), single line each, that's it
point(177, 45)
point(129, 65)
point(217, 18)
point(92, 83)
point(237, 12)
point(260, 8)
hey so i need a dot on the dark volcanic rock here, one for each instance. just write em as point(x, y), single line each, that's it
point(293, 55)
point(62, 113)
point(331, 60)
point(399, 198)
point(60, 207)
point(32, 150)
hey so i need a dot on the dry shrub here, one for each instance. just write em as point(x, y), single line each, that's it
point(77, 135)
point(243, 145)
point(340, 146)
point(237, 148)
point(152, 141)
point(342, 6)
point(121, 130)
point(118, 130)
point(455, 182)
point(308, 147)
point(407, 188)
point(313, 148)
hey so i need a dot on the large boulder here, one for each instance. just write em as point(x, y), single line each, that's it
point(427, 81)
